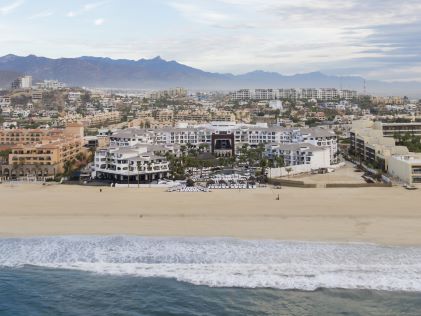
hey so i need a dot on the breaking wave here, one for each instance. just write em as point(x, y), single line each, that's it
point(225, 262)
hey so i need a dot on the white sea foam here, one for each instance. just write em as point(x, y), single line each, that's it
point(226, 262)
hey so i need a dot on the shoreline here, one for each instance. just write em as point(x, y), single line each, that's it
point(384, 216)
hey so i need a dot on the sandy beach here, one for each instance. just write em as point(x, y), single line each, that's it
point(378, 215)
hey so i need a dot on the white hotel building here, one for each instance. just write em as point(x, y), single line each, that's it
point(300, 154)
point(138, 163)
point(224, 138)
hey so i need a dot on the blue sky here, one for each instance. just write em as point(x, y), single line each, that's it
point(378, 39)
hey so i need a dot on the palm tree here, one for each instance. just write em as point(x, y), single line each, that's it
point(280, 161)
point(289, 169)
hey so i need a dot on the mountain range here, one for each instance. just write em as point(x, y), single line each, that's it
point(157, 73)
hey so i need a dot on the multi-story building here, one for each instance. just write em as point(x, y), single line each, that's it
point(193, 116)
point(348, 94)
point(300, 154)
point(387, 100)
point(138, 163)
point(227, 133)
point(50, 85)
point(97, 120)
point(291, 94)
point(50, 155)
point(172, 93)
point(399, 129)
point(406, 167)
point(265, 94)
point(24, 82)
point(36, 96)
point(309, 94)
point(241, 95)
point(41, 153)
point(369, 144)
point(323, 94)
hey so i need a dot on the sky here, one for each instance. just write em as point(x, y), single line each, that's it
point(377, 39)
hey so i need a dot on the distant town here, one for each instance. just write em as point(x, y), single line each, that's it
point(205, 139)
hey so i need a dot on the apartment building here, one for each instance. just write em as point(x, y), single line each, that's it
point(392, 129)
point(24, 82)
point(300, 154)
point(368, 143)
point(193, 116)
point(376, 100)
point(323, 94)
point(101, 118)
point(265, 94)
point(223, 116)
point(36, 96)
point(241, 95)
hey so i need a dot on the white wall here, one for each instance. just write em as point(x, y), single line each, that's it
point(281, 172)
point(400, 169)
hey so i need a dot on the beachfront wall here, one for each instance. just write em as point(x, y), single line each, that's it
point(293, 170)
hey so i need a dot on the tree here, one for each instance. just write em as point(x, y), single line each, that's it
point(280, 161)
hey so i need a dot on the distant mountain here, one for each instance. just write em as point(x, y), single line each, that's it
point(6, 77)
point(157, 73)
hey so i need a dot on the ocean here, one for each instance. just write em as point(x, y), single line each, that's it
point(123, 275)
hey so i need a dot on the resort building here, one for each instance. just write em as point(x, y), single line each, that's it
point(407, 168)
point(300, 154)
point(225, 137)
point(368, 144)
point(139, 163)
point(40, 153)
point(41, 159)
point(30, 136)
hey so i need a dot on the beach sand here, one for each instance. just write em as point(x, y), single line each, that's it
point(377, 215)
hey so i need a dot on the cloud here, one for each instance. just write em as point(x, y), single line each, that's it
point(10, 7)
point(85, 8)
point(40, 15)
point(305, 35)
point(99, 22)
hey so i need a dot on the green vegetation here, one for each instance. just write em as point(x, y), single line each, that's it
point(411, 141)
point(4, 155)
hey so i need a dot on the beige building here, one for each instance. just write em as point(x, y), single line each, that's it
point(42, 153)
point(101, 118)
point(370, 145)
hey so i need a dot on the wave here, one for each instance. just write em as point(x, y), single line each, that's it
point(223, 262)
